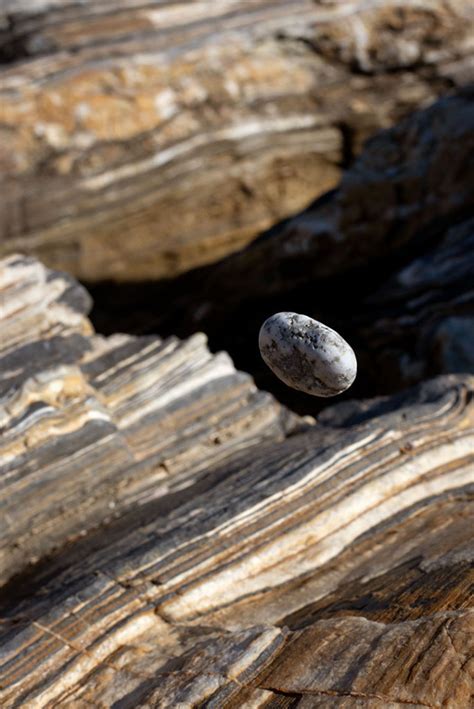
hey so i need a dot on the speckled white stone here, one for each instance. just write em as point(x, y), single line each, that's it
point(307, 355)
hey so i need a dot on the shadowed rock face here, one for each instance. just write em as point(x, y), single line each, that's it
point(385, 260)
point(409, 184)
point(139, 140)
point(192, 541)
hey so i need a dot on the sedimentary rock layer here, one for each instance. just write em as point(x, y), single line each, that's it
point(92, 426)
point(138, 140)
point(409, 185)
point(421, 320)
point(330, 567)
point(385, 259)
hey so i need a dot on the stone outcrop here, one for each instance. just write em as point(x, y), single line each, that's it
point(385, 259)
point(197, 543)
point(409, 185)
point(139, 418)
point(138, 140)
point(170, 534)
point(422, 320)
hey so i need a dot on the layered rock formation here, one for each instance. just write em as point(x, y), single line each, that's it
point(200, 545)
point(409, 185)
point(139, 140)
point(171, 535)
point(385, 259)
point(139, 417)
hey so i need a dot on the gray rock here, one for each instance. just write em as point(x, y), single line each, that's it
point(307, 355)
point(453, 344)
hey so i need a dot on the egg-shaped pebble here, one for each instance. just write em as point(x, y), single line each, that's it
point(307, 355)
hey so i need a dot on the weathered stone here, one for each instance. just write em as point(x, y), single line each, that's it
point(254, 557)
point(386, 259)
point(92, 426)
point(140, 140)
point(421, 319)
point(307, 355)
point(409, 183)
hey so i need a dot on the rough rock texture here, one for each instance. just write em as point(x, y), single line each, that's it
point(140, 139)
point(327, 568)
point(140, 418)
point(422, 319)
point(409, 185)
point(307, 355)
point(386, 260)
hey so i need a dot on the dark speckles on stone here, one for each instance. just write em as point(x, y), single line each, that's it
point(307, 355)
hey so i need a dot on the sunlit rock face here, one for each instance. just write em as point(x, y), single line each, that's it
point(166, 137)
point(178, 514)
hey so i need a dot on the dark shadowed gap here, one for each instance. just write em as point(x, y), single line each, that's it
point(230, 314)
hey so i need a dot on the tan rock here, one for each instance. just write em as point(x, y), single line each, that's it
point(141, 140)
point(197, 543)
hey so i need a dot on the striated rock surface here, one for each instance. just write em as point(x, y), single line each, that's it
point(138, 140)
point(386, 260)
point(92, 426)
point(422, 319)
point(409, 185)
point(250, 558)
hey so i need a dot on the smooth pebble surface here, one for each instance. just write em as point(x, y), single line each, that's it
point(307, 355)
